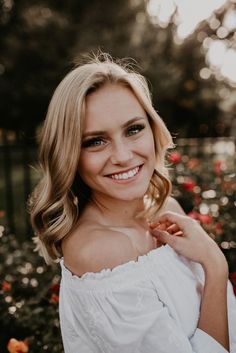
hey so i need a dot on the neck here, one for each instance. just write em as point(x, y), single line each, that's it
point(118, 213)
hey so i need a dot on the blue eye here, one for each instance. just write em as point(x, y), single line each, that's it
point(135, 129)
point(93, 142)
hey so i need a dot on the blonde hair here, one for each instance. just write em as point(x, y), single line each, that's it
point(59, 197)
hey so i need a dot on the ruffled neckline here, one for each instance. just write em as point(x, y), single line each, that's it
point(119, 269)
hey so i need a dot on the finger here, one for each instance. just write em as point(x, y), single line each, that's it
point(179, 233)
point(153, 225)
point(173, 228)
point(166, 238)
point(160, 225)
point(181, 220)
point(158, 234)
point(157, 242)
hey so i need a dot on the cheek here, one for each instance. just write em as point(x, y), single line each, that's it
point(89, 165)
point(86, 166)
point(149, 145)
point(151, 152)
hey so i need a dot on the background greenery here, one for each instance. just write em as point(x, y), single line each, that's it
point(41, 39)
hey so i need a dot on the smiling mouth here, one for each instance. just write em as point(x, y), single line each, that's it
point(125, 175)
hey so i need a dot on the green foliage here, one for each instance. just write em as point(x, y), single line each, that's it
point(40, 40)
point(204, 182)
point(28, 297)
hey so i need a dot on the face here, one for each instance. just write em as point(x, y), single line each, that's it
point(118, 154)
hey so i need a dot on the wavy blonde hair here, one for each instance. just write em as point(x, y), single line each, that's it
point(60, 196)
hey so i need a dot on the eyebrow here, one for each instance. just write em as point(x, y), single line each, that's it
point(100, 132)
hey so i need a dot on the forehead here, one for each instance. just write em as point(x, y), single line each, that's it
point(111, 104)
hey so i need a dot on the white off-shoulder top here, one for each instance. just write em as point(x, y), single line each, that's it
point(150, 305)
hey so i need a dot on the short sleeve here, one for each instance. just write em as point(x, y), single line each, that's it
point(231, 299)
point(132, 319)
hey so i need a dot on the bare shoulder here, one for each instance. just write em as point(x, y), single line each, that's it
point(91, 248)
point(172, 205)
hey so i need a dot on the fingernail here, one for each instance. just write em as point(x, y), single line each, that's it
point(154, 224)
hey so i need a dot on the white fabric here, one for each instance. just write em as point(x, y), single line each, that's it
point(146, 306)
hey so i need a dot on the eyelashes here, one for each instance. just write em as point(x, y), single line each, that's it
point(93, 142)
point(135, 129)
point(100, 140)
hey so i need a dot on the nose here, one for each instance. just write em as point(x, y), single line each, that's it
point(121, 153)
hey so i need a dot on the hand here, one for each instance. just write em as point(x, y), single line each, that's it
point(188, 238)
point(167, 226)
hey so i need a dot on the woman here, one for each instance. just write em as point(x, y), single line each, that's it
point(137, 274)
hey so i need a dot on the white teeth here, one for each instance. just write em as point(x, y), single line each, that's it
point(127, 175)
point(130, 174)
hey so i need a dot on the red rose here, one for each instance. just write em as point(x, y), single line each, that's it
point(205, 218)
point(54, 298)
point(234, 288)
point(194, 215)
point(218, 167)
point(189, 185)
point(175, 157)
point(232, 276)
point(218, 229)
point(55, 288)
point(6, 286)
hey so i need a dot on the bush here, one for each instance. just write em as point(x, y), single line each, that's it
point(28, 297)
point(204, 183)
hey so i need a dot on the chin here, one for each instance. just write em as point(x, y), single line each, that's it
point(130, 195)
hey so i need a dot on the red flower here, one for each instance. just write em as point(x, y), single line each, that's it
point(175, 157)
point(234, 288)
point(194, 215)
point(189, 185)
point(205, 218)
point(232, 276)
point(15, 346)
point(55, 288)
point(218, 167)
point(6, 286)
point(218, 229)
point(54, 298)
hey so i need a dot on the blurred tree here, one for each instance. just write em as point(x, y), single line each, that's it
point(218, 39)
point(34, 43)
point(39, 41)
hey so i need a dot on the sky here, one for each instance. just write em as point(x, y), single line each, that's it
point(190, 12)
point(220, 58)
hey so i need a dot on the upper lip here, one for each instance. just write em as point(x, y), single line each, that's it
point(124, 171)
